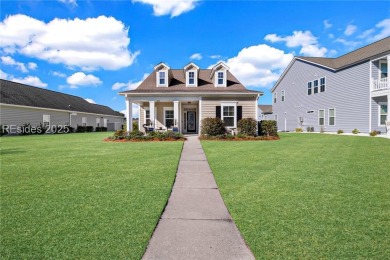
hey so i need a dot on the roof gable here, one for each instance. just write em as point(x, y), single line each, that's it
point(190, 66)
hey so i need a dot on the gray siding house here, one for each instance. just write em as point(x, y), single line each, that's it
point(21, 104)
point(265, 112)
point(344, 93)
point(178, 99)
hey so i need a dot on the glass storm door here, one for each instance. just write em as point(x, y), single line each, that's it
point(191, 121)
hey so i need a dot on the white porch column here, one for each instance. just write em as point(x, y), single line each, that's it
point(176, 113)
point(129, 115)
point(152, 109)
point(388, 81)
point(200, 116)
point(388, 111)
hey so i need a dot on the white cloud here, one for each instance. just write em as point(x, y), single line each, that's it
point(366, 33)
point(171, 7)
point(8, 60)
point(89, 44)
point(129, 85)
point(332, 53)
point(327, 24)
point(384, 27)
point(259, 65)
point(306, 40)
point(73, 3)
point(29, 80)
point(350, 44)
point(331, 36)
point(58, 74)
point(216, 57)
point(351, 29)
point(32, 65)
point(81, 79)
point(90, 100)
point(196, 56)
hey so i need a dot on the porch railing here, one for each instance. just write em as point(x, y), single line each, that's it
point(379, 84)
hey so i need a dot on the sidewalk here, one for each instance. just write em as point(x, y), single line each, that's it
point(196, 223)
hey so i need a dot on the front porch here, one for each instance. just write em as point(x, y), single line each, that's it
point(379, 71)
point(181, 115)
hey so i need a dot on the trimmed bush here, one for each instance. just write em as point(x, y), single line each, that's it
point(340, 131)
point(135, 134)
point(267, 128)
point(310, 129)
point(247, 126)
point(213, 127)
point(374, 133)
point(298, 130)
point(355, 131)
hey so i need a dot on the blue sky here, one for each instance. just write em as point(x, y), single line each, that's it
point(94, 49)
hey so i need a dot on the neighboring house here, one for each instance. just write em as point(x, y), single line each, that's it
point(181, 98)
point(21, 104)
point(348, 92)
point(265, 112)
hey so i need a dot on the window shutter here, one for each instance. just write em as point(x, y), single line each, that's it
point(218, 111)
point(239, 113)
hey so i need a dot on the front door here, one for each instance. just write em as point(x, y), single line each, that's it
point(191, 121)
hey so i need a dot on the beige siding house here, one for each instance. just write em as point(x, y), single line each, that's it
point(178, 99)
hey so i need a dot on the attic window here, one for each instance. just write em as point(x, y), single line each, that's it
point(191, 77)
point(162, 77)
point(220, 78)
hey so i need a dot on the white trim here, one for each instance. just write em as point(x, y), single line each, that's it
point(165, 71)
point(311, 88)
point(168, 109)
point(334, 116)
point(324, 77)
point(188, 94)
point(200, 116)
point(105, 121)
point(380, 69)
point(53, 109)
point(314, 86)
point(318, 121)
point(379, 112)
point(98, 122)
point(145, 108)
point(45, 120)
point(216, 78)
point(230, 104)
point(84, 121)
point(195, 84)
point(370, 100)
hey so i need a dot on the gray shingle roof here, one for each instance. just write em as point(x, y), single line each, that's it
point(19, 94)
point(178, 84)
point(267, 109)
point(357, 56)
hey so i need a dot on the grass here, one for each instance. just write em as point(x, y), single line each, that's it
point(75, 196)
point(307, 196)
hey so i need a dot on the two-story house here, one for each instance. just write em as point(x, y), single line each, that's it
point(181, 98)
point(344, 93)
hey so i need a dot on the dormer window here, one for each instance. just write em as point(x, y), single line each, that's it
point(191, 78)
point(220, 78)
point(162, 77)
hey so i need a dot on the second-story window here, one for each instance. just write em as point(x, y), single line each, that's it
point(282, 98)
point(316, 86)
point(322, 84)
point(275, 97)
point(191, 77)
point(162, 77)
point(220, 78)
point(309, 88)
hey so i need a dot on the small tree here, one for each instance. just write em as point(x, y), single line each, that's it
point(247, 126)
point(268, 128)
point(212, 127)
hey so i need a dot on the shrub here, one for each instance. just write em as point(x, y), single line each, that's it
point(135, 134)
point(3, 131)
point(213, 127)
point(135, 125)
point(25, 129)
point(322, 129)
point(310, 129)
point(69, 129)
point(89, 128)
point(298, 130)
point(247, 126)
point(340, 131)
point(267, 128)
point(120, 134)
point(355, 131)
point(374, 133)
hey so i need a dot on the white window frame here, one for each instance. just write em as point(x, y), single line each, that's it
point(46, 119)
point(314, 86)
point(276, 117)
point(379, 112)
point(282, 95)
point(194, 78)
point(275, 97)
point(321, 85)
point(223, 80)
point(84, 121)
point(230, 104)
point(105, 122)
point(311, 88)
point(165, 78)
point(173, 115)
point(334, 116)
point(380, 69)
point(98, 122)
point(321, 117)
point(146, 108)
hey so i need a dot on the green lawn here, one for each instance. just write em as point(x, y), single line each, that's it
point(308, 196)
point(76, 197)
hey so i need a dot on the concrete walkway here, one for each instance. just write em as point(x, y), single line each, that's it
point(196, 223)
